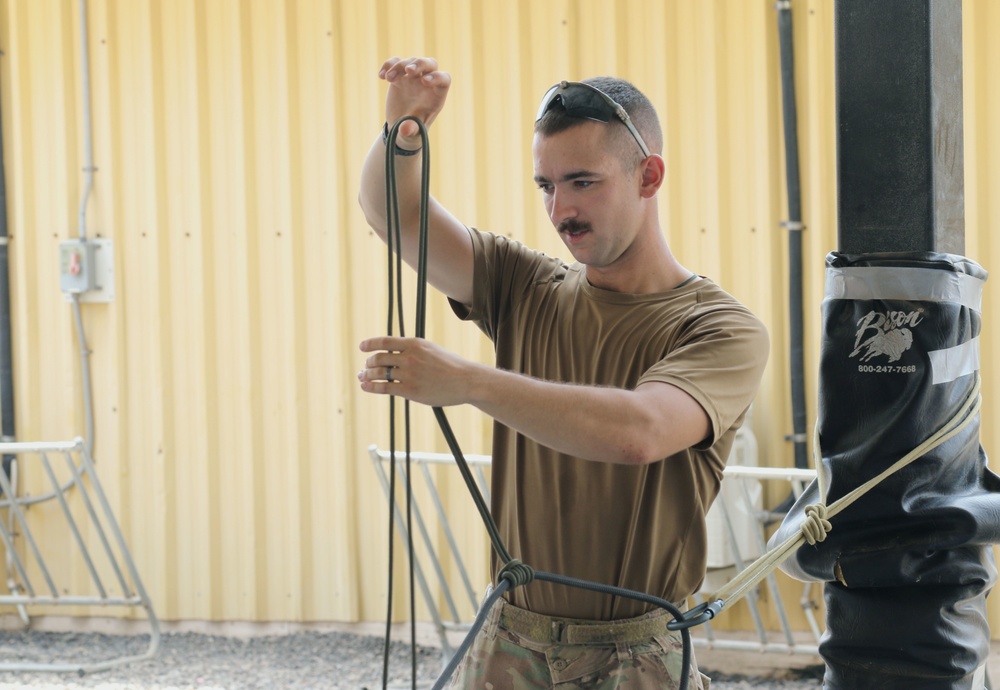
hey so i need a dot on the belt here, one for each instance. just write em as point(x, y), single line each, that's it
point(546, 629)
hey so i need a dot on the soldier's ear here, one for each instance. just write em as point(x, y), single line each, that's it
point(653, 174)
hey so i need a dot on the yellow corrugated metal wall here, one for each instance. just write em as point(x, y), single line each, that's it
point(228, 138)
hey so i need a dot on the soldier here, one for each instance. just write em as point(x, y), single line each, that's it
point(620, 382)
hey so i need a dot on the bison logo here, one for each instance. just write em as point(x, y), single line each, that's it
point(885, 334)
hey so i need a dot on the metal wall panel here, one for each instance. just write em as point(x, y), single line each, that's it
point(982, 203)
point(228, 137)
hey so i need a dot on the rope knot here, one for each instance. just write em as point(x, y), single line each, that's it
point(816, 526)
point(516, 573)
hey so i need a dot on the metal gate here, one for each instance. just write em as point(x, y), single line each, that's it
point(94, 544)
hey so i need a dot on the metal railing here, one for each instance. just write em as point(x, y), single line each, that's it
point(73, 495)
point(452, 605)
point(737, 501)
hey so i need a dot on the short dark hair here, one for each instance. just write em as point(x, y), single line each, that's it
point(638, 107)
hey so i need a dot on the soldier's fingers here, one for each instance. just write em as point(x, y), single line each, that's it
point(386, 66)
point(409, 67)
point(421, 66)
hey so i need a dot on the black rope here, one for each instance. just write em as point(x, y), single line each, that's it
point(395, 270)
point(516, 573)
point(390, 200)
point(477, 625)
point(513, 573)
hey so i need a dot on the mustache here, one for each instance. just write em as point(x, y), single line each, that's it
point(573, 225)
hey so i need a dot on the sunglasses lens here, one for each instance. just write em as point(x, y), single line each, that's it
point(579, 100)
point(590, 105)
point(547, 101)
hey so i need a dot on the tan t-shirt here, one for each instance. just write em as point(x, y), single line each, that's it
point(642, 528)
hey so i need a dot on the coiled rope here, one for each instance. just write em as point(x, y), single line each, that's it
point(514, 573)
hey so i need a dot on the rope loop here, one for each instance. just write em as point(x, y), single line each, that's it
point(816, 526)
point(517, 573)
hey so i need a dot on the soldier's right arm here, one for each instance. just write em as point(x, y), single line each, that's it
point(418, 88)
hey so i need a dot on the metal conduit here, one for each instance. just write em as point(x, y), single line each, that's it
point(795, 227)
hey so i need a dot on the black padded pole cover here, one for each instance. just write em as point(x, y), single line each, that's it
point(908, 565)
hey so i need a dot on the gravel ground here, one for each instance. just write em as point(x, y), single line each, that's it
point(304, 660)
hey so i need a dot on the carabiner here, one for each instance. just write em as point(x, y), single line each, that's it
point(702, 613)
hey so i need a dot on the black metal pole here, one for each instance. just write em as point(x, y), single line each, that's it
point(908, 568)
point(6, 351)
point(795, 227)
point(899, 126)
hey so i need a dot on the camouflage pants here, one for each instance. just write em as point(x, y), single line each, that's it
point(531, 658)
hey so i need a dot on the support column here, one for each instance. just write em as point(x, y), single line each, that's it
point(907, 567)
point(899, 126)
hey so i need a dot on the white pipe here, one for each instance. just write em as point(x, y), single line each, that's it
point(88, 136)
point(88, 171)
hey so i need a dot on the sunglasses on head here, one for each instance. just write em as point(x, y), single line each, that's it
point(584, 100)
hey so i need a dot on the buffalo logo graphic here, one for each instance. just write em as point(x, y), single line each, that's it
point(886, 334)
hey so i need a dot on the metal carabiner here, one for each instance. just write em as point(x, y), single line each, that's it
point(702, 613)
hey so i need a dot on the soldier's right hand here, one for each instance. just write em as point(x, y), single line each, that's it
point(416, 87)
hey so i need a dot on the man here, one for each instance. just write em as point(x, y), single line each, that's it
point(621, 380)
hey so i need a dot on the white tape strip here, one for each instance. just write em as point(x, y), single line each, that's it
point(904, 283)
point(954, 362)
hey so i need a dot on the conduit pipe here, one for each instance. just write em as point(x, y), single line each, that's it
point(88, 137)
point(88, 170)
point(795, 227)
point(7, 429)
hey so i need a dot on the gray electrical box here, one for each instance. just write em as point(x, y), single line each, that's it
point(76, 266)
point(86, 269)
